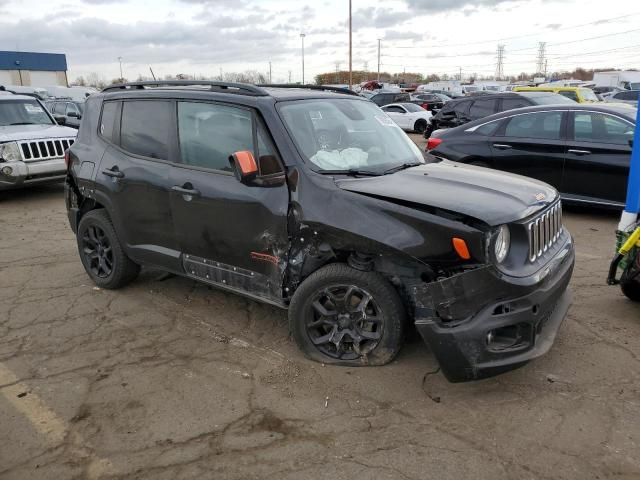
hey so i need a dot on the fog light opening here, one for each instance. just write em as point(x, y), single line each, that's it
point(505, 337)
point(6, 170)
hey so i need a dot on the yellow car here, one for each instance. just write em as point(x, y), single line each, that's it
point(578, 94)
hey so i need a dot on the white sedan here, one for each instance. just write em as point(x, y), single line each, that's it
point(408, 116)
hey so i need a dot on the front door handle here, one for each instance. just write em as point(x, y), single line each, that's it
point(501, 146)
point(113, 172)
point(579, 152)
point(186, 189)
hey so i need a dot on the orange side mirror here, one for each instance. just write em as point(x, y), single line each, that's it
point(244, 165)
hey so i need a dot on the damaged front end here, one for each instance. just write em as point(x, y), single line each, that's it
point(481, 322)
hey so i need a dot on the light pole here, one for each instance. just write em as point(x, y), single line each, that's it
point(120, 62)
point(302, 35)
point(350, 50)
point(379, 41)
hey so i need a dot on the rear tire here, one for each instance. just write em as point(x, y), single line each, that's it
point(344, 316)
point(420, 126)
point(102, 254)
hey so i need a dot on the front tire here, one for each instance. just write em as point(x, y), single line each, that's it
point(101, 252)
point(344, 316)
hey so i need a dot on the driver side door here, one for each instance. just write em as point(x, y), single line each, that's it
point(230, 234)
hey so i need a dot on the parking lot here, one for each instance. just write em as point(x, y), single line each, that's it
point(170, 379)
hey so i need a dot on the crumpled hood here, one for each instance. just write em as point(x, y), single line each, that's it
point(12, 133)
point(492, 196)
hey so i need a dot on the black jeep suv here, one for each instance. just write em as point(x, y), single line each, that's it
point(312, 199)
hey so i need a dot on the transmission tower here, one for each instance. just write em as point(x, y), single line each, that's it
point(500, 63)
point(541, 57)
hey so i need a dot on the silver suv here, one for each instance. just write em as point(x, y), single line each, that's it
point(32, 144)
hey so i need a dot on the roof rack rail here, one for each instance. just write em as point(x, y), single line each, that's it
point(324, 88)
point(229, 87)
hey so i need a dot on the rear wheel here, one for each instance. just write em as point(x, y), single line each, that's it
point(420, 126)
point(344, 316)
point(101, 253)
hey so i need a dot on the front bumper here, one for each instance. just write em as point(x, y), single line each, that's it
point(460, 317)
point(30, 173)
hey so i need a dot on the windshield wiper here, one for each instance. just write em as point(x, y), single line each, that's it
point(402, 167)
point(351, 171)
point(22, 123)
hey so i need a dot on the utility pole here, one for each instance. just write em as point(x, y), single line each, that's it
point(500, 63)
point(350, 49)
point(120, 61)
point(220, 73)
point(302, 35)
point(379, 41)
point(337, 72)
point(289, 76)
point(269, 72)
point(460, 75)
point(541, 57)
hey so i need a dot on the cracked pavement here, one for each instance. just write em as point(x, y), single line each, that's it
point(170, 379)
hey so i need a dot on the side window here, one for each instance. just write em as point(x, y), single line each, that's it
point(601, 128)
point(107, 119)
point(543, 125)
point(488, 128)
point(393, 109)
point(146, 128)
point(71, 108)
point(569, 94)
point(462, 108)
point(482, 108)
point(511, 103)
point(379, 99)
point(268, 162)
point(58, 108)
point(210, 133)
point(628, 96)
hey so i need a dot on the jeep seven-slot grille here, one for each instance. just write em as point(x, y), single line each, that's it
point(544, 231)
point(44, 149)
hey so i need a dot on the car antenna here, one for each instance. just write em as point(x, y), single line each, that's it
point(151, 70)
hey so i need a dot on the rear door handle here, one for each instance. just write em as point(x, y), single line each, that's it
point(113, 172)
point(579, 152)
point(185, 190)
point(501, 146)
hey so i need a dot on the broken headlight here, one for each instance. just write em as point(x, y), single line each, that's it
point(10, 152)
point(502, 243)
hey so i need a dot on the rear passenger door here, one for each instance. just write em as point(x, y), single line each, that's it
point(598, 157)
point(533, 145)
point(231, 234)
point(134, 171)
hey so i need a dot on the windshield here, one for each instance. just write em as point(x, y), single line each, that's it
point(588, 95)
point(443, 97)
point(635, 86)
point(345, 134)
point(23, 112)
point(547, 99)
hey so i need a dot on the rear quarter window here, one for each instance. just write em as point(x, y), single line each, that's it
point(108, 120)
